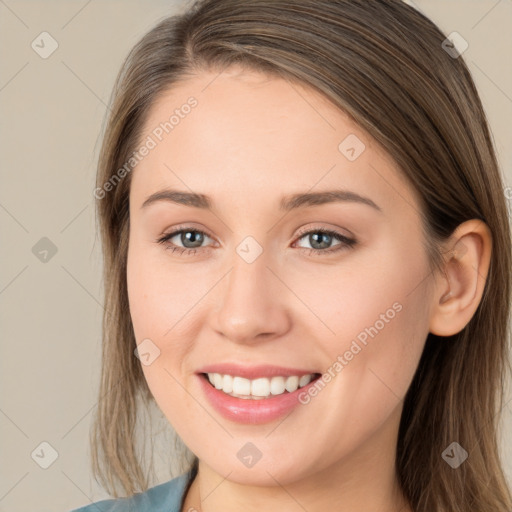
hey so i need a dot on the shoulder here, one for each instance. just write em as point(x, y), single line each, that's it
point(164, 497)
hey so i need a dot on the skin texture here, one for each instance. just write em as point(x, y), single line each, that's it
point(249, 141)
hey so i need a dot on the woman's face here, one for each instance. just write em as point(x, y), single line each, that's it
point(263, 288)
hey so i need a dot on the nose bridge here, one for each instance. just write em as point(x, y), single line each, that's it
point(250, 305)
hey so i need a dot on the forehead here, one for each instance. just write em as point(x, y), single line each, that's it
point(258, 133)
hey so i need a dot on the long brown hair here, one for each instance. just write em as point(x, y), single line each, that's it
point(381, 62)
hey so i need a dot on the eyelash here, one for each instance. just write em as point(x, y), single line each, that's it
point(346, 243)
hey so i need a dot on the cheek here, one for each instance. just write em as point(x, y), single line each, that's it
point(380, 319)
point(158, 312)
point(161, 298)
point(371, 313)
point(166, 310)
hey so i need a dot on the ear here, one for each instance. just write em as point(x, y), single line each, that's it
point(459, 288)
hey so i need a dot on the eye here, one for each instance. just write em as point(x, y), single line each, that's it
point(190, 238)
point(321, 241)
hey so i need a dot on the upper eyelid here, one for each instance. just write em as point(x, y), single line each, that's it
point(304, 231)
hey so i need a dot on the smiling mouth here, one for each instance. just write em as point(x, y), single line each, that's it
point(260, 388)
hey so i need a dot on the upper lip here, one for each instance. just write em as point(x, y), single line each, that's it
point(254, 372)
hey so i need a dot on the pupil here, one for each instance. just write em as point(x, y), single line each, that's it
point(192, 236)
point(320, 235)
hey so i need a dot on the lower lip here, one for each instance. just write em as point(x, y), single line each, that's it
point(243, 410)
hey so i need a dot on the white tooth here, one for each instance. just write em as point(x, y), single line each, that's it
point(227, 384)
point(305, 379)
point(292, 383)
point(217, 380)
point(241, 386)
point(257, 388)
point(260, 387)
point(277, 385)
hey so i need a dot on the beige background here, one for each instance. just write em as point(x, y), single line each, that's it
point(51, 117)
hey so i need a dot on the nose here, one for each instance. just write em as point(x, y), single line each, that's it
point(252, 303)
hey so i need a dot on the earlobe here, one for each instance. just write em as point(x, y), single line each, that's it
point(459, 289)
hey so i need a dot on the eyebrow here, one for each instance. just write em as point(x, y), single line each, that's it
point(287, 203)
